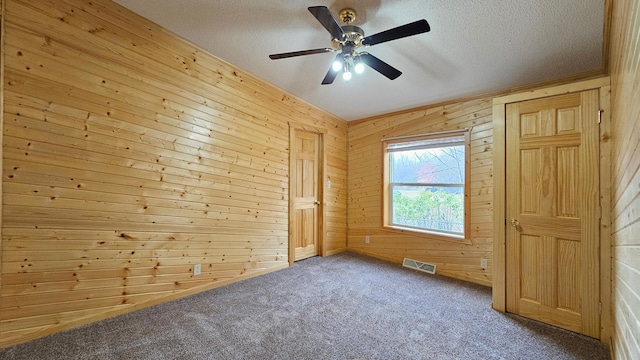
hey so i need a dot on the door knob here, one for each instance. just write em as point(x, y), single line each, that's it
point(316, 202)
point(514, 222)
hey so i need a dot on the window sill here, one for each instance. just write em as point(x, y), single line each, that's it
point(431, 235)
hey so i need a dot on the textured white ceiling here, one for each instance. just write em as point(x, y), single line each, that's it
point(474, 47)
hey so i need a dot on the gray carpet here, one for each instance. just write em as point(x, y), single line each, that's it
point(346, 306)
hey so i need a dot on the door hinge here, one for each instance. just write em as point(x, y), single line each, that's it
point(600, 308)
point(600, 116)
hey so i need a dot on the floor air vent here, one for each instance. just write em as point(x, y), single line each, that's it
point(419, 265)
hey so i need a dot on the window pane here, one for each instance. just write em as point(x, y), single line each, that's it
point(443, 165)
point(429, 207)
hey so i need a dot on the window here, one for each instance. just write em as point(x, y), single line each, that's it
point(426, 183)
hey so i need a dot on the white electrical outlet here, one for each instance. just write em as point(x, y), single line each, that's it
point(197, 269)
point(483, 263)
point(328, 184)
point(367, 239)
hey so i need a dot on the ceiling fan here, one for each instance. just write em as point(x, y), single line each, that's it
point(347, 39)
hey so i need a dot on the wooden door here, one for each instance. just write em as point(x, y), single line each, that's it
point(553, 209)
point(305, 180)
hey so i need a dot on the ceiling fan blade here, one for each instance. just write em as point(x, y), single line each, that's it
point(300, 53)
point(414, 28)
point(380, 66)
point(327, 20)
point(331, 74)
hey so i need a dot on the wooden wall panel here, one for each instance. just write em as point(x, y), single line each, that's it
point(455, 259)
point(129, 156)
point(625, 180)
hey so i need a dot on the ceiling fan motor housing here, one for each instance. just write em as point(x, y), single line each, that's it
point(352, 34)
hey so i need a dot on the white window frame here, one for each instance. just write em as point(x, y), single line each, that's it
point(431, 140)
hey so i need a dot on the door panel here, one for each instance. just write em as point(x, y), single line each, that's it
point(306, 194)
point(553, 207)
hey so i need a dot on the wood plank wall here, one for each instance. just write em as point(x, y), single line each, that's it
point(455, 259)
point(129, 156)
point(625, 181)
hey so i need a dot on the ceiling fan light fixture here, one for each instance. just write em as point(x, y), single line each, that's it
point(359, 66)
point(337, 65)
point(346, 75)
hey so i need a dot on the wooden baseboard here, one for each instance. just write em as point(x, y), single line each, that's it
point(450, 275)
point(336, 251)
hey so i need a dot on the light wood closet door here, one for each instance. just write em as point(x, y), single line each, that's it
point(306, 194)
point(553, 209)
